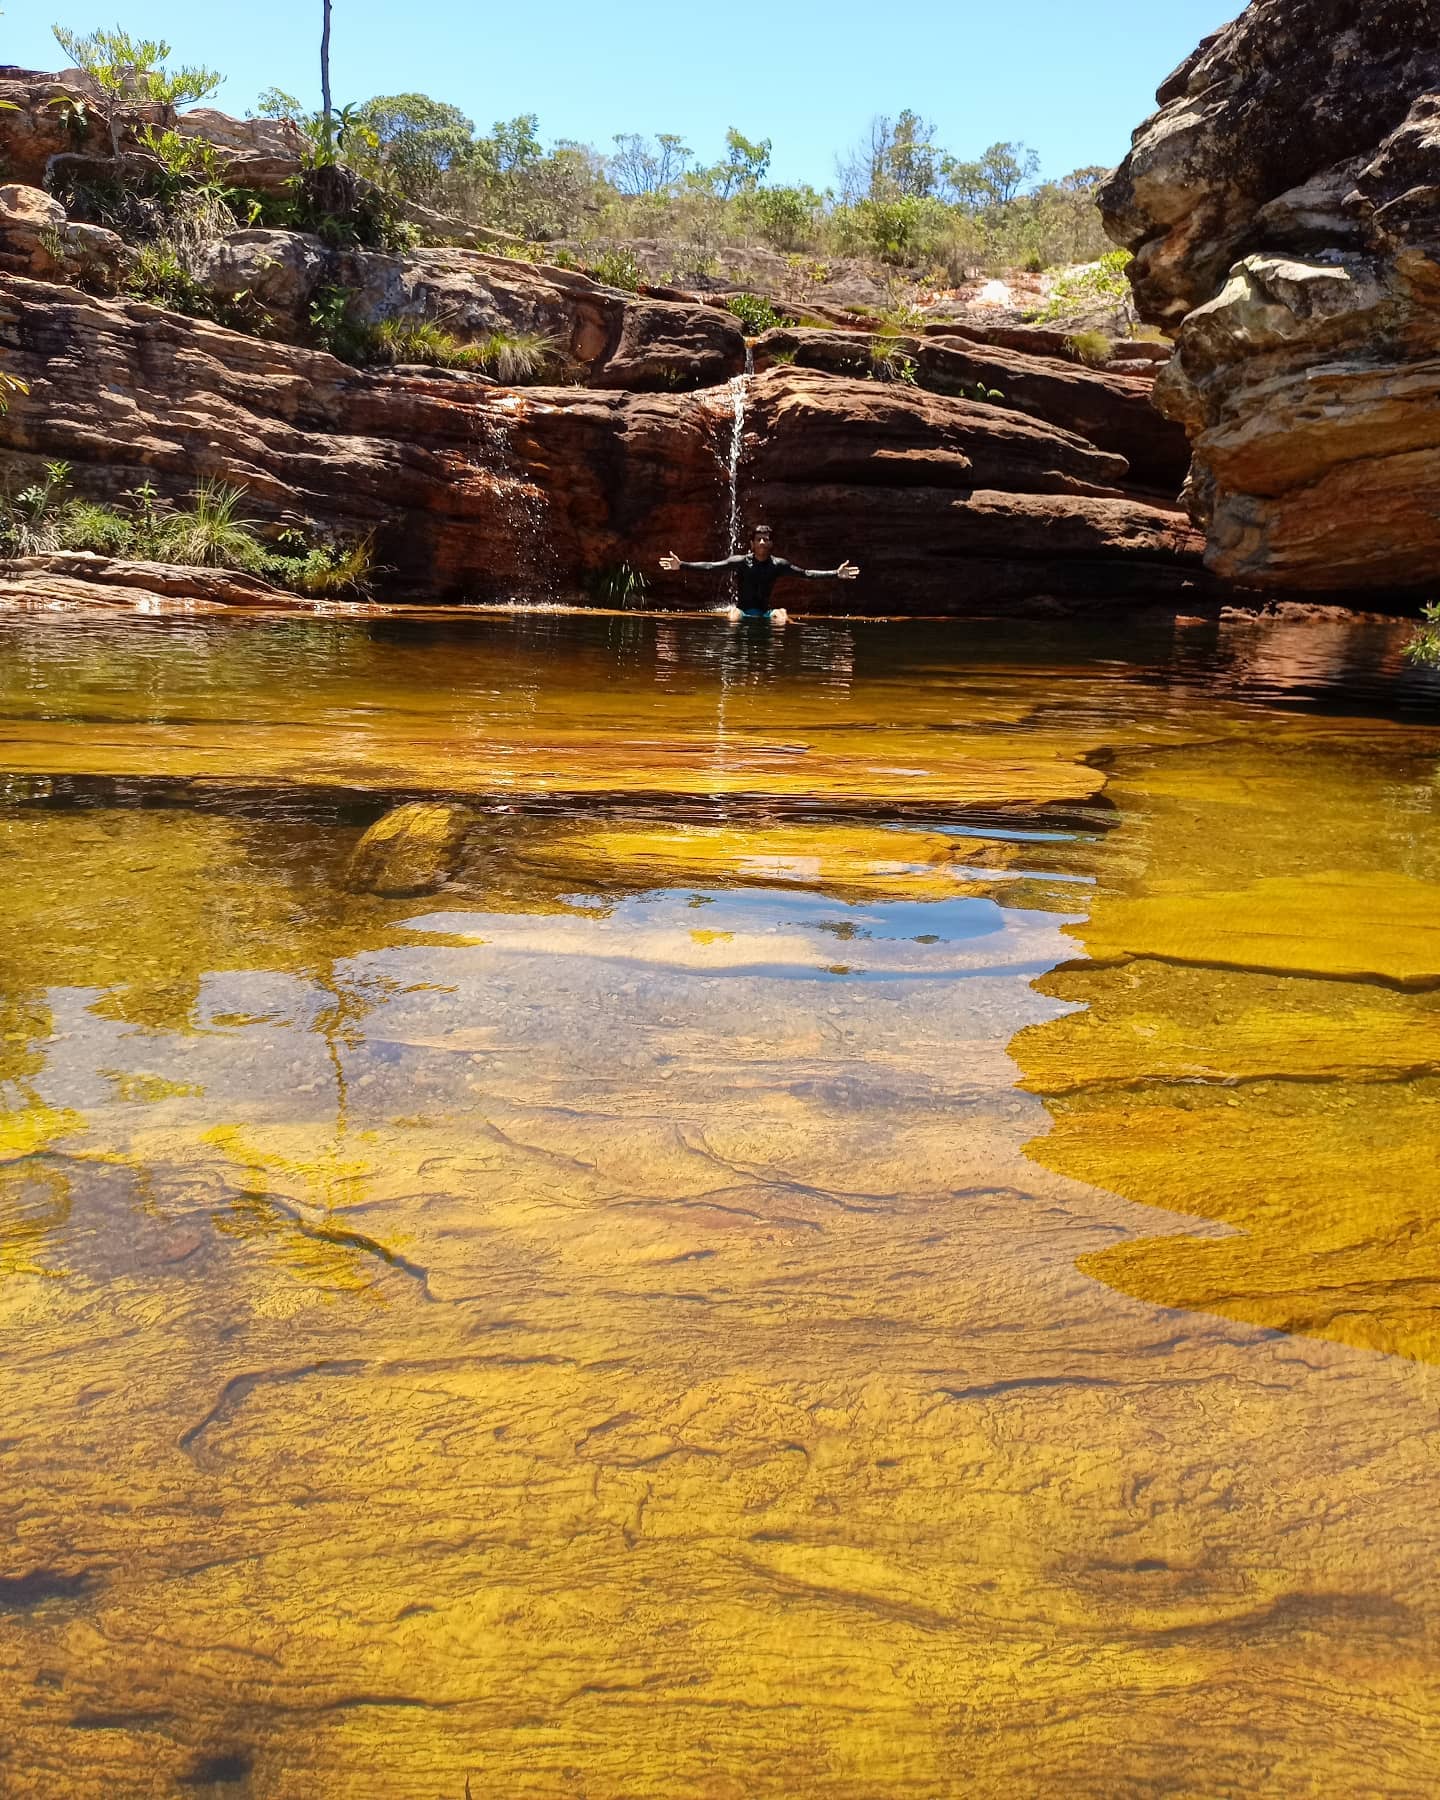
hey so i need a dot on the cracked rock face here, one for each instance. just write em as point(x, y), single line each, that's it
point(1284, 210)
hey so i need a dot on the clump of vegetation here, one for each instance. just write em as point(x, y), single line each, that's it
point(619, 269)
point(209, 532)
point(512, 357)
point(617, 585)
point(131, 74)
point(1104, 282)
point(756, 314)
point(1092, 348)
point(890, 358)
point(1424, 645)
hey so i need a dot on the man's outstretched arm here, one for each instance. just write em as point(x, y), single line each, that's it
point(672, 562)
point(846, 572)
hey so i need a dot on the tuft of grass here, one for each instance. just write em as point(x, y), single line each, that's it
point(513, 357)
point(517, 356)
point(890, 360)
point(618, 585)
point(421, 341)
point(329, 568)
point(210, 532)
point(1092, 348)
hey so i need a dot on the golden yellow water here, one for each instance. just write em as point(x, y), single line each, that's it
point(876, 1231)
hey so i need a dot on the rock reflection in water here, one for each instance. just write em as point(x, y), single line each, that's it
point(614, 1325)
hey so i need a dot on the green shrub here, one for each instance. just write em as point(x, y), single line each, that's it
point(30, 523)
point(1105, 282)
point(334, 328)
point(619, 269)
point(756, 314)
point(88, 525)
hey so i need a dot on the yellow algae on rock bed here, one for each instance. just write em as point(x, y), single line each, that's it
point(849, 861)
point(580, 1335)
point(1265, 1056)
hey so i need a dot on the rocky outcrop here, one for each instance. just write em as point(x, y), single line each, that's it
point(59, 579)
point(1114, 412)
point(1284, 210)
point(37, 238)
point(617, 340)
point(951, 505)
point(47, 117)
point(478, 492)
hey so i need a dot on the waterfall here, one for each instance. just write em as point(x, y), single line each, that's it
point(736, 391)
point(521, 505)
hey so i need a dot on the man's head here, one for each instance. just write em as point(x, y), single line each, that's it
point(760, 542)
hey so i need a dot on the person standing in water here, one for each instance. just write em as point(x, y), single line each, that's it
point(756, 573)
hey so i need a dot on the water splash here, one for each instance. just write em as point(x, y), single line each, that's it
point(522, 505)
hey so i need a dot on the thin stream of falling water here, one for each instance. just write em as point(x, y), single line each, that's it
point(521, 503)
point(737, 439)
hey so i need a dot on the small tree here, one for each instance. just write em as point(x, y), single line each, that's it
point(131, 74)
point(641, 167)
point(417, 140)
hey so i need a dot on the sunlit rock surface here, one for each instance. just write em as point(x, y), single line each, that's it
point(1284, 210)
point(484, 493)
point(692, 1306)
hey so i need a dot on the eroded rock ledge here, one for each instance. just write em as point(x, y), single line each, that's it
point(1284, 209)
point(481, 492)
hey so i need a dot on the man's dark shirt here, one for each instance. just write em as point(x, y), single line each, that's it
point(755, 579)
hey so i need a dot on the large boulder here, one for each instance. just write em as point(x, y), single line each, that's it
point(412, 849)
point(279, 270)
point(41, 117)
point(37, 238)
point(1284, 209)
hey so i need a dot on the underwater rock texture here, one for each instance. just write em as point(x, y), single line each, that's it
point(1284, 210)
point(480, 492)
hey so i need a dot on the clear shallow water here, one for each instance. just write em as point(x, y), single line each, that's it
point(878, 1233)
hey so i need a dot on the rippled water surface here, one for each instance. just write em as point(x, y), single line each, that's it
point(840, 1211)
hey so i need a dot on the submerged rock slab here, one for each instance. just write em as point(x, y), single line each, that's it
point(1284, 210)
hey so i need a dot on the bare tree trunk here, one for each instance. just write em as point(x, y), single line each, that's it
point(325, 78)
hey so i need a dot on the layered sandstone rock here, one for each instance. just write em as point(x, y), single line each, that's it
point(1114, 412)
point(1284, 210)
point(479, 492)
point(47, 118)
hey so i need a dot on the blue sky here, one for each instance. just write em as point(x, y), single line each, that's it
point(1069, 80)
